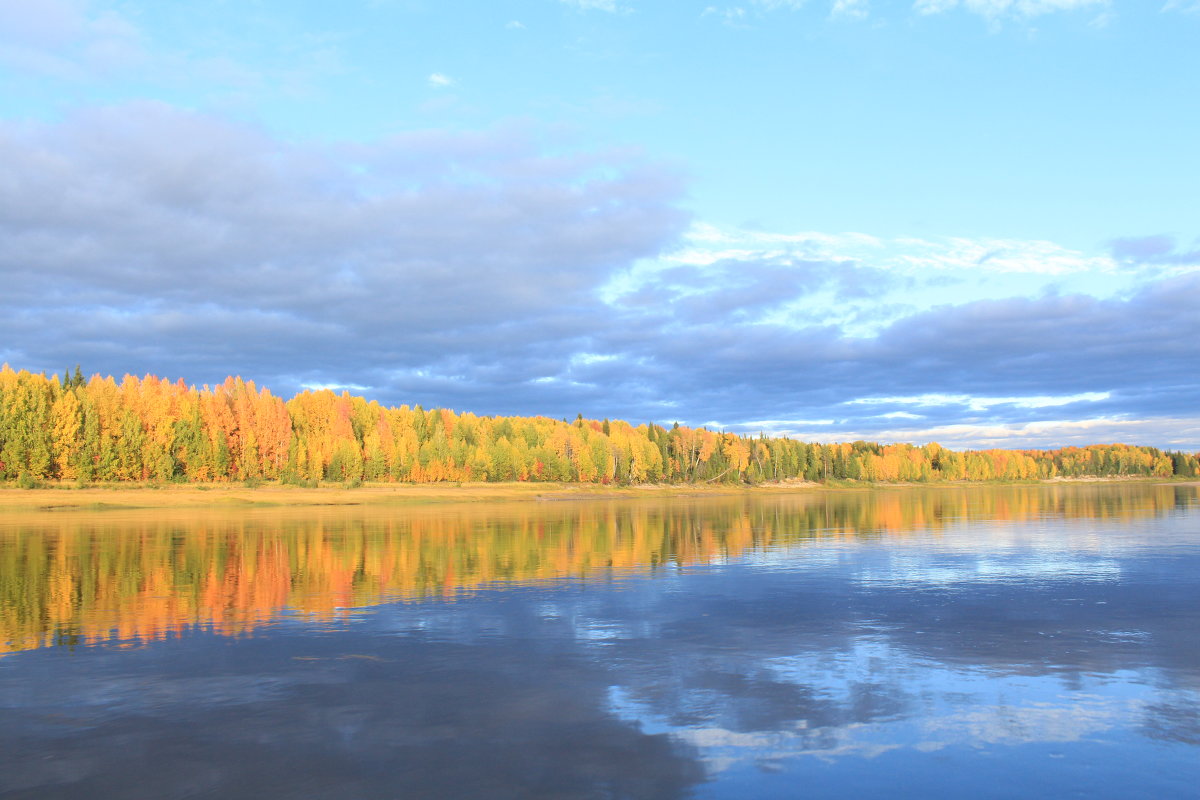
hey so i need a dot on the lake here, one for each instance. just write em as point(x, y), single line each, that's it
point(1010, 641)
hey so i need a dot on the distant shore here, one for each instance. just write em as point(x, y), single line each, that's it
point(70, 497)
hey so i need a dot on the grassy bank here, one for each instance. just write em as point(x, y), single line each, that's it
point(71, 497)
point(68, 496)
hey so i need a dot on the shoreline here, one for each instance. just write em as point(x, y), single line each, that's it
point(69, 497)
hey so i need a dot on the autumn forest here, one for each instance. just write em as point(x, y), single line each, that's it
point(70, 428)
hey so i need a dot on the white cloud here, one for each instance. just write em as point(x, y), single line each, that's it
point(1180, 432)
point(983, 403)
point(594, 5)
point(733, 17)
point(996, 9)
point(439, 81)
point(895, 276)
point(457, 269)
point(592, 358)
point(706, 244)
point(850, 9)
point(766, 6)
point(737, 16)
point(335, 387)
point(82, 43)
point(186, 245)
point(60, 39)
point(1186, 6)
point(984, 333)
point(515, 25)
point(43, 22)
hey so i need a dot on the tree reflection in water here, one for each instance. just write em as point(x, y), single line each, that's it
point(939, 641)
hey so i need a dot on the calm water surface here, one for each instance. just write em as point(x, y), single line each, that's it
point(986, 642)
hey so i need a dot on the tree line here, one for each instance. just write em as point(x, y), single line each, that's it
point(97, 429)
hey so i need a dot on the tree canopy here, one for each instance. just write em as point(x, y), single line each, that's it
point(150, 429)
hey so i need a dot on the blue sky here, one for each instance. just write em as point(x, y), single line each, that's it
point(969, 221)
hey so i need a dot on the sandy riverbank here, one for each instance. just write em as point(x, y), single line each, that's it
point(69, 497)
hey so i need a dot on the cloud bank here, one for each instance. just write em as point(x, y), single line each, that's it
point(502, 271)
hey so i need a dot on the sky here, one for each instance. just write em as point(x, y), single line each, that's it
point(975, 222)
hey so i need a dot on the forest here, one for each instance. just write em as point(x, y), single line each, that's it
point(70, 428)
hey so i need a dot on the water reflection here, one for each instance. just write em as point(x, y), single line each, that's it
point(996, 642)
point(83, 578)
